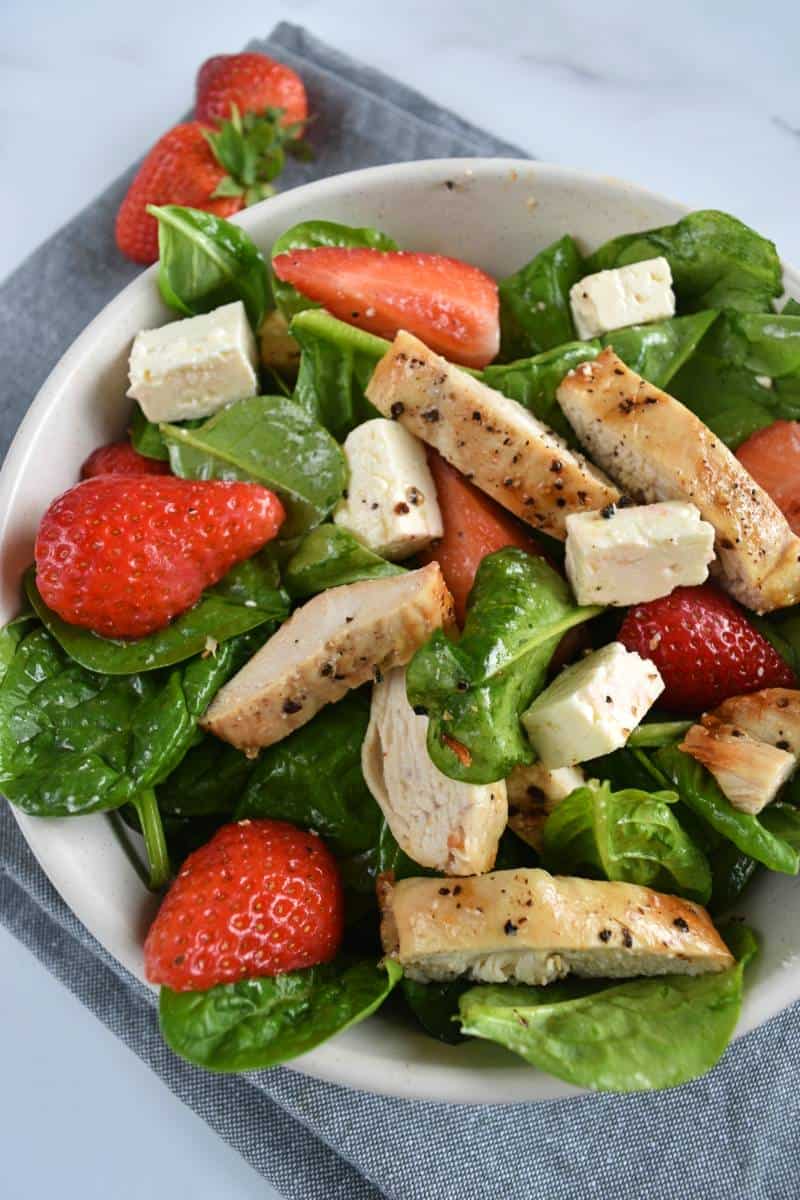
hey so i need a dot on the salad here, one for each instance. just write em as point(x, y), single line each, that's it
point(440, 638)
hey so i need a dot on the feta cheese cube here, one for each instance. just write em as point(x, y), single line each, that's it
point(391, 504)
point(194, 367)
point(630, 555)
point(631, 295)
point(592, 707)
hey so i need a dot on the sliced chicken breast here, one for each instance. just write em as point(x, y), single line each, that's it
point(750, 773)
point(443, 824)
point(337, 641)
point(533, 793)
point(656, 449)
point(750, 744)
point(494, 441)
point(532, 927)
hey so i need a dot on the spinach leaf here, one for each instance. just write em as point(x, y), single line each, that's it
point(146, 436)
point(207, 782)
point(435, 1005)
point(784, 821)
point(791, 308)
point(532, 382)
point(652, 734)
point(10, 637)
point(268, 440)
point(534, 302)
point(313, 778)
point(205, 262)
point(634, 1036)
point(700, 792)
point(716, 261)
point(260, 1023)
point(249, 596)
point(336, 364)
point(476, 690)
point(631, 836)
point(744, 375)
point(307, 236)
point(658, 351)
point(331, 556)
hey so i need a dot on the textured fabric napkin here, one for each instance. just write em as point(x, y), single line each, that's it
point(731, 1134)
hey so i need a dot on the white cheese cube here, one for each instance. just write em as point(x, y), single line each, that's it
point(631, 295)
point(592, 707)
point(194, 367)
point(391, 504)
point(630, 555)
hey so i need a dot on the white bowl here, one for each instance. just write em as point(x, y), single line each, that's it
point(493, 212)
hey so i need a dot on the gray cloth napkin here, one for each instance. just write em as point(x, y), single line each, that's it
point(731, 1134)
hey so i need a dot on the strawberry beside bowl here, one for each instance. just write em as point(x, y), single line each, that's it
point(495, 214)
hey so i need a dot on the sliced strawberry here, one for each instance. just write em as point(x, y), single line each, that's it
point(261, 898)
point(120, 458)
point(124, 554)
point(450, 305)
point(705, 648)
point(474, 526)
point(772, 456)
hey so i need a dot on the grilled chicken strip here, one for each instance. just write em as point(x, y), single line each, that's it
point(656, 449)
point(337, 641)
point(532, 927)
point(750, 744)
point(491, 439)
point(450, 826)
point(533, 793)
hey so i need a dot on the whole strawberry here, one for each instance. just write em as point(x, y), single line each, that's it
point(261, 898)
point(181, 168)
point(123, 555)
point(704, 647)
point(251, 81)
point(120, 458)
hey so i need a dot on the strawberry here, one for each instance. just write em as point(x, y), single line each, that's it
point(219, 171)
point(450, 305)
point(261, 898)
point(705, 648)
point(120, 458)
point(253, 82)
point(772, 456)
point(180, 169)
point(123, 555)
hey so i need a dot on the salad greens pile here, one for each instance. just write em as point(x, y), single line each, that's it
point(90, 724)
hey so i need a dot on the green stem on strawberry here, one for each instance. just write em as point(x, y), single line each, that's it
point(146, 806)
point(252, 148)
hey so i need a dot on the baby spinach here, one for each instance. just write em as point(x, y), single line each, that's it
point(534, 302)
point(74, 742)
point(653, 734)
point(435, 1005)
point(791, 308)
point(784, 821)
point(313, 778)
point(249, 596)
point(744, 375)
point(631, 836)
point(268, 440)
point(532, 382)
point(716, 261)
point(207, 782)
point(308, 235)
point(476, 690)
point(700, 792)
point(634, 1036)
point(336, 364)
point(330, 556)
point(205, 261)
point(146, 436)
point(658, 351)
point(260, 1023)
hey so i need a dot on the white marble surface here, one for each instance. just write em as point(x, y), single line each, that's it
point(699, 102)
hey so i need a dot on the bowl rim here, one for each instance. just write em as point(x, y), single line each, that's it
point(418, 1079)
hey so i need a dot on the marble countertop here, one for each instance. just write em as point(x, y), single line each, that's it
point(701, 104)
